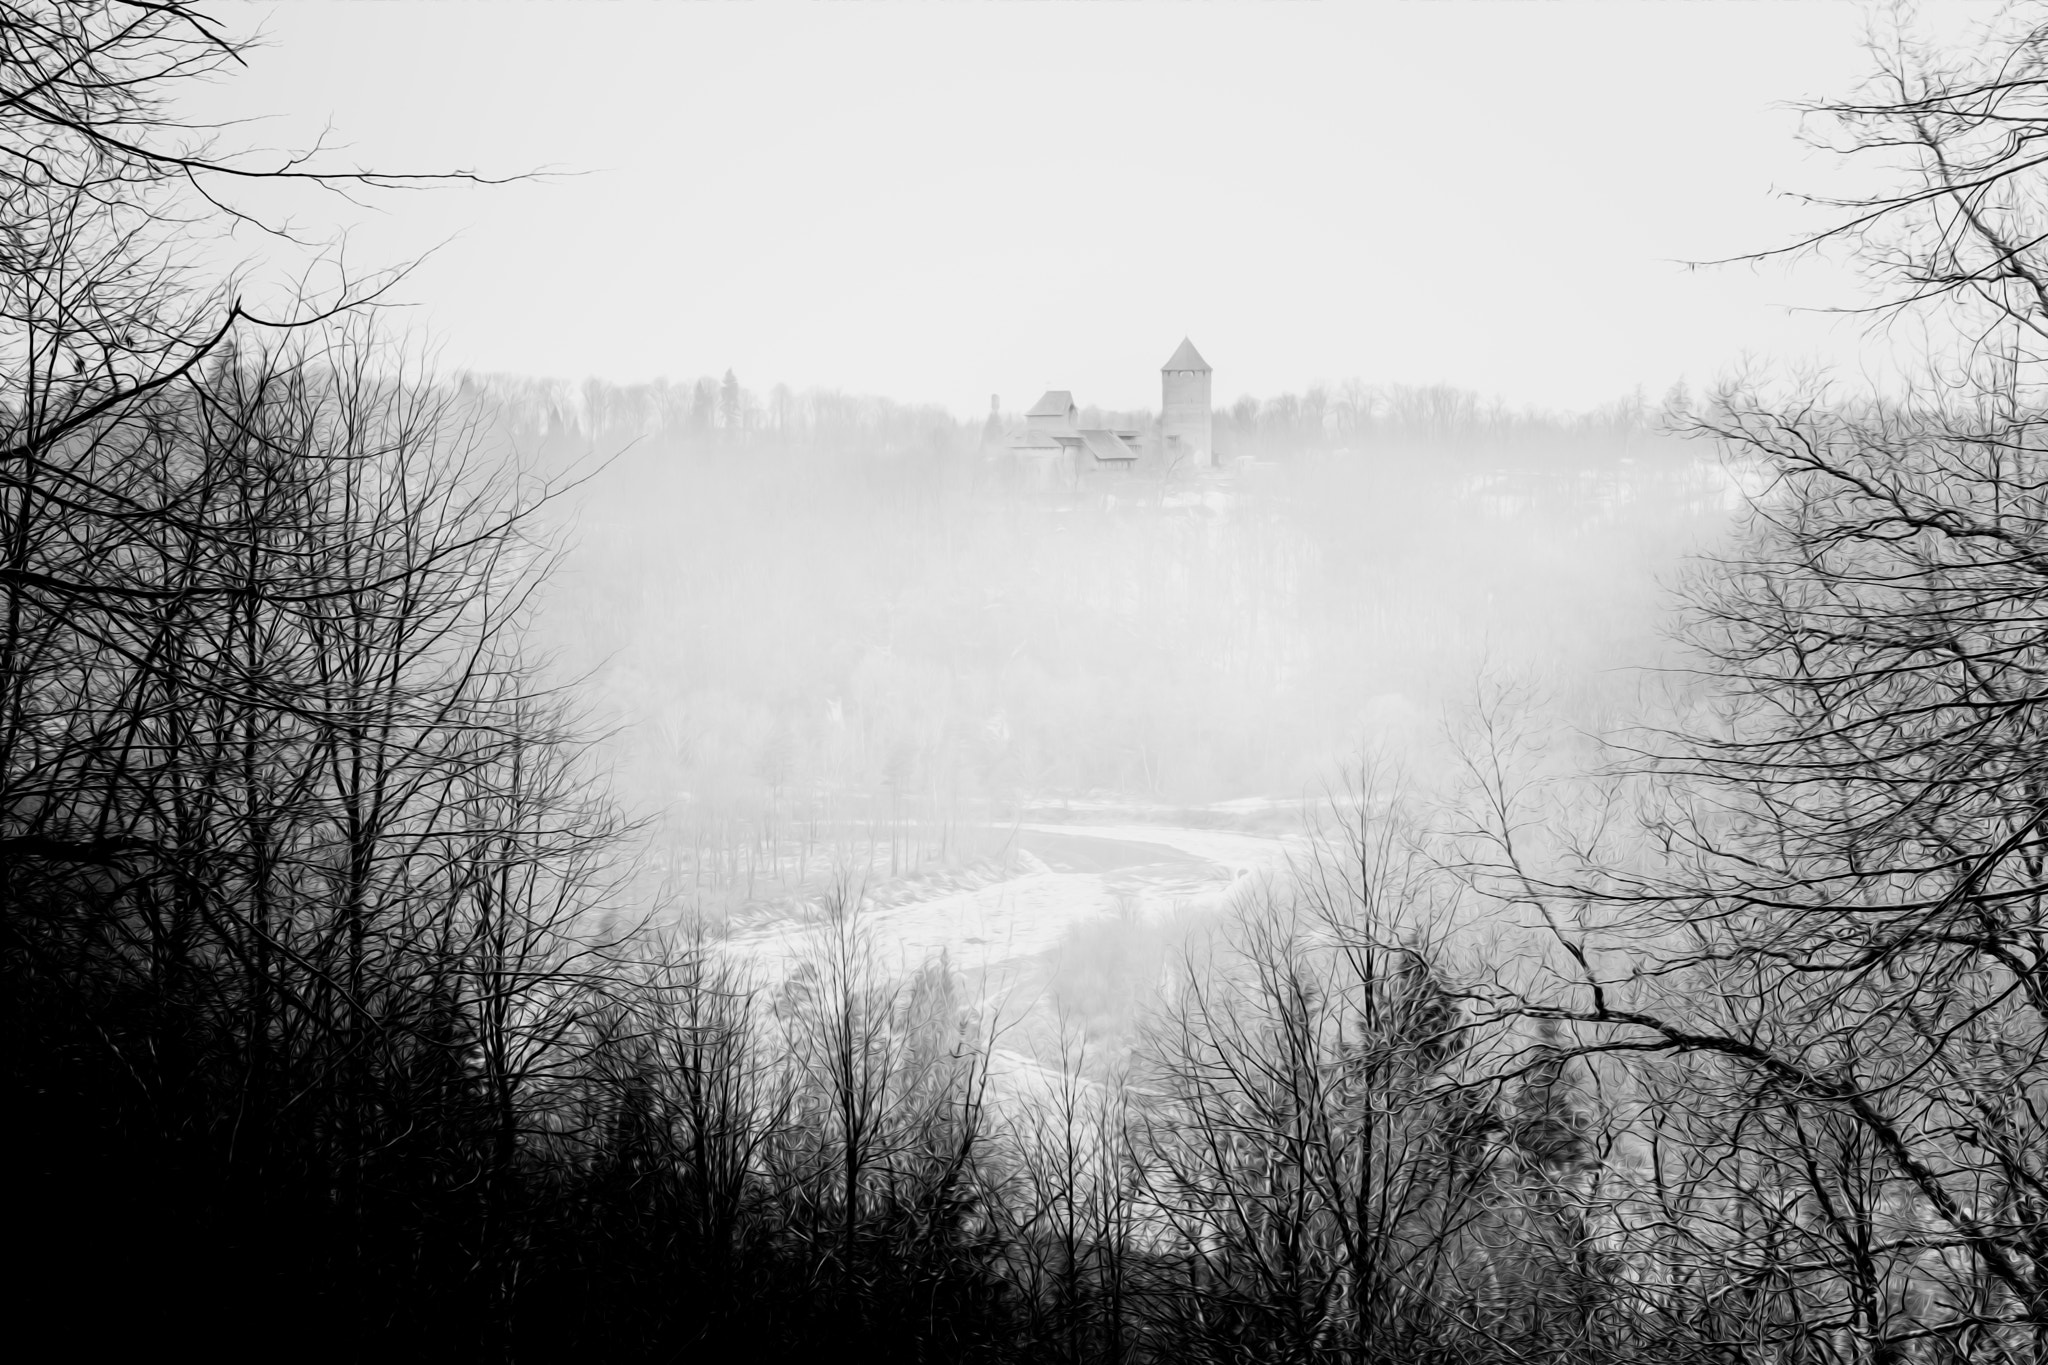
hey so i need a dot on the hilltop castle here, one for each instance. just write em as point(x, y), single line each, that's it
point(1053, 447)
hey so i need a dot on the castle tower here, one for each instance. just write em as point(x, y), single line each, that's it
point(1185, 415)
point(992, 429)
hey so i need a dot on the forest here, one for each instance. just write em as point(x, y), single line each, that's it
point(457, 831)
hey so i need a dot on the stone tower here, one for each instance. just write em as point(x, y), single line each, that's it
point(992, 429)
point(1184, 410)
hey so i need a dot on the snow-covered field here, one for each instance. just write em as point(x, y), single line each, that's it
point(1057, 877)
point(1008, 932)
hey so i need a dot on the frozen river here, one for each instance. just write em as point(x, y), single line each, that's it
point(1007, 935)
point(1060, 876)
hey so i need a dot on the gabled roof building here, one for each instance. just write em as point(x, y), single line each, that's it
point(1054, 410)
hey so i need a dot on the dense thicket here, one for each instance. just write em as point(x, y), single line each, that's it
point(316, 1033)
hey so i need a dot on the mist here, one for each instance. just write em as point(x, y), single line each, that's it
point(832, 638)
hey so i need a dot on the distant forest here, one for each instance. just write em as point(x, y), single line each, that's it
point(383, 755)
point(713, 413)
point(851, 615)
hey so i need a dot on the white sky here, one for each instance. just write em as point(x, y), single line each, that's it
point(940, 201)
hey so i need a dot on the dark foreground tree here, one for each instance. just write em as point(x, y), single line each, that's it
point(1836, 937)
point(323, 1029)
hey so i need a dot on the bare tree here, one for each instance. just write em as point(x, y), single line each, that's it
point(1830, 940)
point(1347, 1157)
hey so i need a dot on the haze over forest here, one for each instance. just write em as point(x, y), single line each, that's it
point(1531, 847)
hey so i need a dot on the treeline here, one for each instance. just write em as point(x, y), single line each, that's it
point(706, 414)
point(1357, 418)
point(566, 421)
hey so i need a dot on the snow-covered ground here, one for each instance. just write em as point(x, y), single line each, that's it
point(1059, 876)
point(1005, 931)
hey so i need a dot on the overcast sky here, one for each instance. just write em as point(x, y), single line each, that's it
point(943, 201)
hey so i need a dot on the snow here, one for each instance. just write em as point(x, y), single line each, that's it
point(1065, 876)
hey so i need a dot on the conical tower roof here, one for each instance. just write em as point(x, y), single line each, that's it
point(1186, 358)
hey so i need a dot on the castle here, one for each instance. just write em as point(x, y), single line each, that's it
point(1052, 448)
